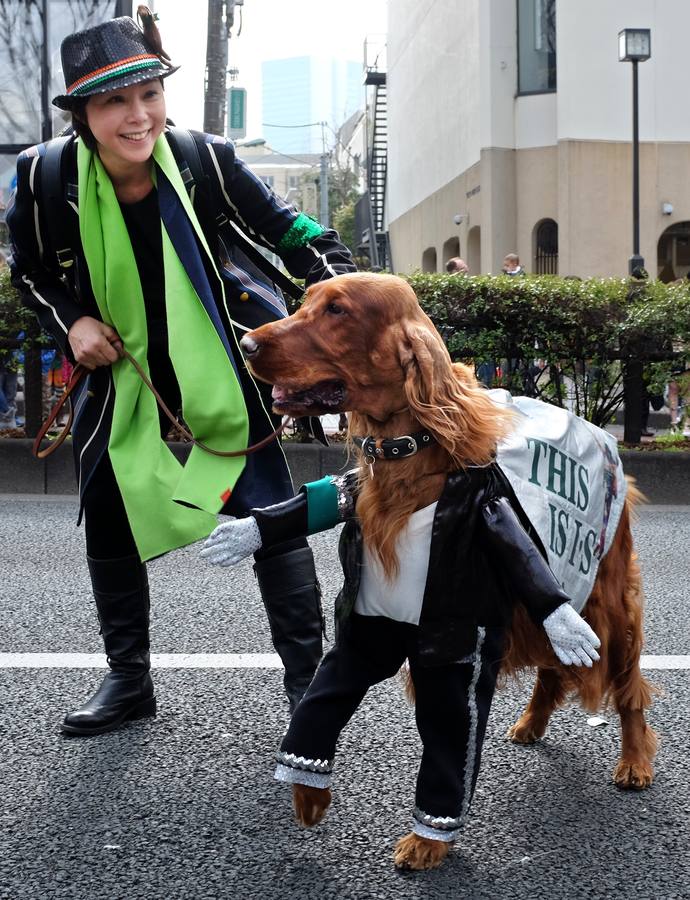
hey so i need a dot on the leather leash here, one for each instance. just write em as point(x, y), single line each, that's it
point(78, 374)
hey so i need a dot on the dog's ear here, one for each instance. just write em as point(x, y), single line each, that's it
point(425, 362)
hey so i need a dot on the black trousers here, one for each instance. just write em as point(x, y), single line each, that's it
point(107, 529)
point(452, 708)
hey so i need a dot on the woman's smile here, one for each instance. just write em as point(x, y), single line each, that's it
point(126, 124)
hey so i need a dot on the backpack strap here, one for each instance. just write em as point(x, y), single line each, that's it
point(194, 175)
point(53, 197)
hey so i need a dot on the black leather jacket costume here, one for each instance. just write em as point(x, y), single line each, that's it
point(484, 558)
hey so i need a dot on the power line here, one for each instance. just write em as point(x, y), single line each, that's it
point(286, 156)
point(308, 125)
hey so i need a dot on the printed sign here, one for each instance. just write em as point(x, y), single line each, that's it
point(237, 113)
point(568, 478)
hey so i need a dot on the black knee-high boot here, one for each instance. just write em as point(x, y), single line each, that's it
point(292, 598)
point(121, 589)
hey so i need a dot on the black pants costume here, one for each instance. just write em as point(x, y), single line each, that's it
point(452, 708)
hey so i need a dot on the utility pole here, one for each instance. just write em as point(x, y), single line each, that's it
point(221, 15)
point(33, 389)
point(46, 119)
point(324, 211)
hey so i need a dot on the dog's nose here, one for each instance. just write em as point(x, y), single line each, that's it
point(249, 346)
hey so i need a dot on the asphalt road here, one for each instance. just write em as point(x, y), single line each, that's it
point(184, 806)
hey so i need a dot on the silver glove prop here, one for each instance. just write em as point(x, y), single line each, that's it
point(572, 639)
point(231, 542)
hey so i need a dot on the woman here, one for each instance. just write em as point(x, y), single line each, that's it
point(151, 275)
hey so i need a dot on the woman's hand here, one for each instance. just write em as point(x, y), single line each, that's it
point(94, 343)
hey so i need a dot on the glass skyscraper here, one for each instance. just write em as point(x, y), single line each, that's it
point(304, 90)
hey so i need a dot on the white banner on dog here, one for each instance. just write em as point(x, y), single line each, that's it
point(568, 478)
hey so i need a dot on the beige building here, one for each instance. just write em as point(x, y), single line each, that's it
point(291, 177)
point(510, 125)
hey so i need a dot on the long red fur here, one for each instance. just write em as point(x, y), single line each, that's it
point(399, 378)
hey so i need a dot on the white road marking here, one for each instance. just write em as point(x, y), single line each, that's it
point(664, 662)
point(220, 661)
point(158, 661)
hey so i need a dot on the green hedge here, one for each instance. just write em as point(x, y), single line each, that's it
point(14, 318)
point(583, 331)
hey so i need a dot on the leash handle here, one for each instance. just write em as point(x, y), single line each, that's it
point(78, 374)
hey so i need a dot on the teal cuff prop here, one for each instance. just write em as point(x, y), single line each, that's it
point(322, 505)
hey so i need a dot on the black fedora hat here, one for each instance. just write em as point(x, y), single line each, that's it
point(114, 54)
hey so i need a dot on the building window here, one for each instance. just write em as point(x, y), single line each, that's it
point(268, 180)
point(429, 260)
point(536, 46)
point(673, 252)
point(293, 181)
point(451, 248)
point(546, 248)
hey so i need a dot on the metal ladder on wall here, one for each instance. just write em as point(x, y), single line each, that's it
point(378, 164)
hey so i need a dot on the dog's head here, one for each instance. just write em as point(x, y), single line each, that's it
point(361, 343)
point(351, 346)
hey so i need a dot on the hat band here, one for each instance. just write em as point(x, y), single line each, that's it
point(115, 70)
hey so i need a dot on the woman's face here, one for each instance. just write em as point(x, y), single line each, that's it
point(126, 122)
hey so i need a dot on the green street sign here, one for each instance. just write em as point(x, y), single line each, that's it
point(237, 112)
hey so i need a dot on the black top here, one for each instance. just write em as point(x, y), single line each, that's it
point(144, 228)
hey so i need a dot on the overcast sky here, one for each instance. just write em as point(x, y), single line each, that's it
point(271, 29)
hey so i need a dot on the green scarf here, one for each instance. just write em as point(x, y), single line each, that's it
point(167, 505)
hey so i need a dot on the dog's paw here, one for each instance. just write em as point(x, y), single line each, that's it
point(633, 776)
point(310, 804)
point(525, 731)
point(417, 853)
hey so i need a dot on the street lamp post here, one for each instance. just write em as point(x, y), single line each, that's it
point(634, 46)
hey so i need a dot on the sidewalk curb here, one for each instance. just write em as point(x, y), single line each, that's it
point(662, 476)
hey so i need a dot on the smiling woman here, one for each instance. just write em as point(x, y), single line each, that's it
point(149, 274)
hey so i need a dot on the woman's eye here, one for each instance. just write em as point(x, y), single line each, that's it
point(334, 309)
point(115, 99)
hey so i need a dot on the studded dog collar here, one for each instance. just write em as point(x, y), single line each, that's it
point(394, 448)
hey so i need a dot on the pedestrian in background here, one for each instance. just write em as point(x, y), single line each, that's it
point(8, 390)
point(152, 277)
point(511, 265)
point(486, 370)
point(457, 266)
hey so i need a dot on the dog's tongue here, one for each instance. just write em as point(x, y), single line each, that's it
point(278, 393)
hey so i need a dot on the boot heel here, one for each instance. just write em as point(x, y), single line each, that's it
point(145, 708)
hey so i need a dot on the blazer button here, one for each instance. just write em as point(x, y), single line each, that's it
point(244, 296)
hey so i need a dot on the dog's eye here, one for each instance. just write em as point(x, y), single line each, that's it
point(335, 310)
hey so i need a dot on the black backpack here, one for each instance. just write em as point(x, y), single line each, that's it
point(193, 175)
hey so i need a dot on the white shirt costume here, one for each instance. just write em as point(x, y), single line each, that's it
point(400, 598)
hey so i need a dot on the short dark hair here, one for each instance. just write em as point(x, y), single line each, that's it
point(78, 111)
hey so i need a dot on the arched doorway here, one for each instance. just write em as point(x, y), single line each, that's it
point(673, 252)
point(429, 260)
point(451, 249)
point(474, 250)
point(545, 242)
